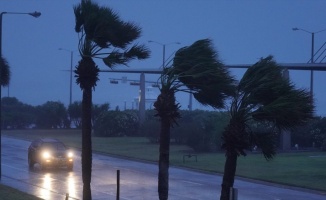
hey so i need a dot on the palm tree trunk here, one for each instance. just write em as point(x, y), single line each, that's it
point(163, 175)
point(86, 156)
point(229, 174)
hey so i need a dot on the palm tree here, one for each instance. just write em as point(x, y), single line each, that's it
point(100, 29)
point(5, 72)
point(265, 102)
point(196, 70)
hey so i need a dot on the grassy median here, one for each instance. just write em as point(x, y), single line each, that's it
point(8, 193)
point(300, 169)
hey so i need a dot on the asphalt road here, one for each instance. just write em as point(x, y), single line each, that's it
point(138, 180)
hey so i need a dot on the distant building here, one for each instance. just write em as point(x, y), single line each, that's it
point(150, 98)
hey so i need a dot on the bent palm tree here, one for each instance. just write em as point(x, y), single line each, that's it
point(99, 28)
point(264, 103)
point(197, 70)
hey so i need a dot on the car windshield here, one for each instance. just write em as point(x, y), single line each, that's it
point(53, 146)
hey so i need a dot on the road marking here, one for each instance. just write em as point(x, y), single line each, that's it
point(194, 183)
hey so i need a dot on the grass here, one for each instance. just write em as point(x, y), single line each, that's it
point(300, 169)
point(9, 193)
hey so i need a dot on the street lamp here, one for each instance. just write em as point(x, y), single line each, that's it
point(163, 48)
point(142, 83)
point(71, 59)
point(34, 14)
point(312, 55)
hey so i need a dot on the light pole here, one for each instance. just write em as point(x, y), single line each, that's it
point(71, 59)
point(312, 55)
point(34, 14)
point(164, 45)
point(142, 83)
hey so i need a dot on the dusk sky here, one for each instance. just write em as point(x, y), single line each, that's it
point(242, 33)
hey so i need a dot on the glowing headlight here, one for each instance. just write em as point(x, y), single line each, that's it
point(46, 155)
point(70, 154)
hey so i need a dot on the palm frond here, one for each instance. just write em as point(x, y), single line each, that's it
point(266, 142)
point(265, 96)
point(273, 96)
point(117, 57)
point(79, 19)
point(263, 82)
point(198, 68)
point(101, 28)
point(289, 110)
point(137, 51)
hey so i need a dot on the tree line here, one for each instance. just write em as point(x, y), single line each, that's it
point(50, 115)
point(199, 129)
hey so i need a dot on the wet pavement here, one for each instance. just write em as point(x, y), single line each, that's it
point(138, 180)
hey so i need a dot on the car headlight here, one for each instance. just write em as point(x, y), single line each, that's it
point(70, 155)
point(46, 155)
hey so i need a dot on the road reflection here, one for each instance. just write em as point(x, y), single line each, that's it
point(71, 185)
point(49, 189)
point(45, 190)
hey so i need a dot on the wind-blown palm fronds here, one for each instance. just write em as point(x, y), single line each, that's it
point(197, 70)
point(101, 28)
point(265, 102)
point(200, 70)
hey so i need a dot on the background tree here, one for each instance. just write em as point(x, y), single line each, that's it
point(318, 132)
point(265, 97)
point(311, 135)
point(75, 113)
point(5, 76)
point(51, 115)
point(201, 130)
point(5, 71)
point(100, 29)
point(197, 70)
point(15, 114)
point(98, 110)
point(117, 124)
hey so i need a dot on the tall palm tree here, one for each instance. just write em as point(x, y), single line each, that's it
point(265, 102)
point(197, 70)
point(100, 29)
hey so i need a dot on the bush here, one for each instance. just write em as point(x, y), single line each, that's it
point(151, 130)
point(200, 130)
point(323, 146)
point(116, 123)
point(313, 134)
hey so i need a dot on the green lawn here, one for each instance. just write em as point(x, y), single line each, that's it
point(304, 169)
point(8, 193)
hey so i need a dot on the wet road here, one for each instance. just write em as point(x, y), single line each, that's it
point(138, 181)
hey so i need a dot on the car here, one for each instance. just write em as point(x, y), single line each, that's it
point(50, 153)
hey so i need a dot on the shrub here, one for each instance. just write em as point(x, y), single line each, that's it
point(151, 130)
point(116, 123)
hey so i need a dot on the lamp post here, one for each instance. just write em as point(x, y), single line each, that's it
point(312, 55)
point(34, 14)
point(164, 45)
point(142, 83)
point(70, 86)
